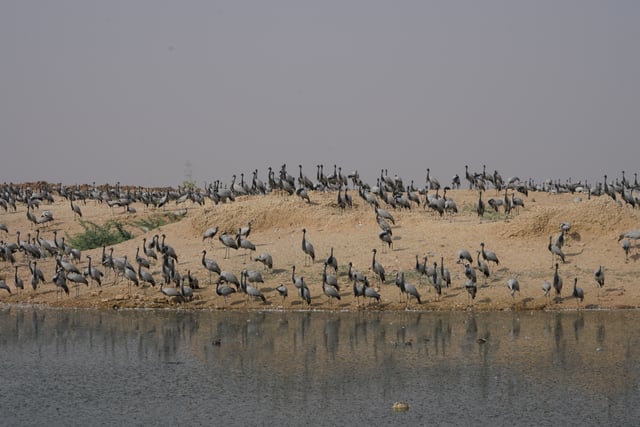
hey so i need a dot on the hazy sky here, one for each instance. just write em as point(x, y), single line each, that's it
point(131, 90)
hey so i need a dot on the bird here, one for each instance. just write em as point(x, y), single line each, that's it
point(399, 283)
point(245, 244)
point(369, 292)
point(192, 281)
point(171, 292)
point(495, 203)
point(167, 249)
point(483, 267)
point(254, 276)
point(302, 193)
point(421, 267)
point(472, 289)
point(283, 291)
point(130, 274)
point(514, 286)
point(480, 206)
point(330, 279)
point(358, 290)
point(3, 285)
point(546, 287)
point(330, 291)
point(489, 256)
point(229, 277)
point(60, 281)
point(341, 202)
point(464, 255)
point(332, 261)
point(385, 237)
point(210, 265)
point(93, 273)
point(145, 276)
point(297, 282)
point(433, 182)
point(469, 272)
point(142, 260)
point(76, 209)
point(77, 279)
point(386, 215)
point(631, 235)
point(436, 280)
point(355, 275)
point(599, 276)
point(148, 249)
point(409, 290)
point(516, 202)
point(251, 291)
point(578, 293)
point(185, 291)
point(560, 239)
point(555, 251)
point(209, 233)
point(224, 291)
point(119, 264)
point(37, 275)
point(66, 266)
point(229, 242)
point(266, 259)
point(557, 283)
point(305, 293)
point(626, 246)
point(376, 267)
point(307, 248)
point(18, 282)
point(384, 225)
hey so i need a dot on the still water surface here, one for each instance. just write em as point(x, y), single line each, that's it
point(68, 367)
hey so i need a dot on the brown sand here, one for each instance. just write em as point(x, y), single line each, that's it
point(520, 242)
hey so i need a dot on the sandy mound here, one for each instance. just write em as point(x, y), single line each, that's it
point(520, 241)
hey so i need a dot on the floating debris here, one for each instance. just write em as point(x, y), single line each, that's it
point(401, 406)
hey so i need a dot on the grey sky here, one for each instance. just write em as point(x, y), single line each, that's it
point(129, 91)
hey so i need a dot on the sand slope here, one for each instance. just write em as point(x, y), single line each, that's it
point(520, 243)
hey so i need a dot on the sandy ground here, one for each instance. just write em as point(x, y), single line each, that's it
point(520, 242)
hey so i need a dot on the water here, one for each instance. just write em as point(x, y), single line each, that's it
point(68, 367)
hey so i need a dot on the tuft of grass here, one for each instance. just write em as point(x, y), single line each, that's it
point(96, 236)
point(157, 220)
point(489, 214)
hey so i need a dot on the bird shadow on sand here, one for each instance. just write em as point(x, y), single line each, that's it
point(527, 300)
point(635, 257)
point(569, 255)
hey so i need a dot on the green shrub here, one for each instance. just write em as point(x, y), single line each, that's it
point(95, 236)
point(156, 220)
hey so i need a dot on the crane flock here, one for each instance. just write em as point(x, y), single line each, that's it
point(388, 195)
